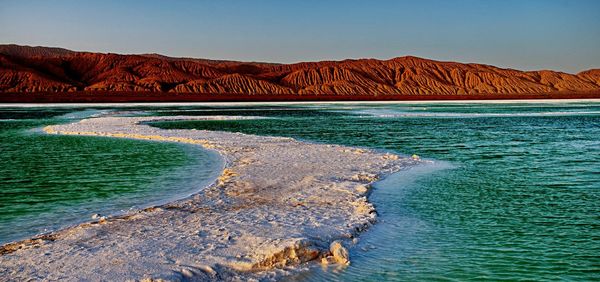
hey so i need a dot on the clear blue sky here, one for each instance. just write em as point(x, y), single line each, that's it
point(544, 34)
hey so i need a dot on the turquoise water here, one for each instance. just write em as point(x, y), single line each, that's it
point(514, 193)
point(49, 181)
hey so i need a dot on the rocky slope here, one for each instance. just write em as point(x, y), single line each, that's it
point(41, 69)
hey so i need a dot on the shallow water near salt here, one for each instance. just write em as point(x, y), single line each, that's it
point(48, 182)
point(513, 193)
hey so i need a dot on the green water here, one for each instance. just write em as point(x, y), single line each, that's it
point(514, 193)
point(49, 181)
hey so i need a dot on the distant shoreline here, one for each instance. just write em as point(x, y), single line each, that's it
point(168, 104)
point(153, 97)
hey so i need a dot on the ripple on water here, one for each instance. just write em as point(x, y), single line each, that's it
point(520, 202)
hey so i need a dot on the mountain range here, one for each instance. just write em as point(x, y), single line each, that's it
point(25, 69)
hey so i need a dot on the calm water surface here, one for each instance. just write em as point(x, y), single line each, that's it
point(50, 181)
point(514, 193)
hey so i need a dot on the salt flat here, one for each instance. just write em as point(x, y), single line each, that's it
point(278, 203)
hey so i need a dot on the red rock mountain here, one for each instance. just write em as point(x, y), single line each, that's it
point(41, 69)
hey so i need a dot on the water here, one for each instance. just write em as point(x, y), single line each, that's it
point(514, 193)
point(49, 181)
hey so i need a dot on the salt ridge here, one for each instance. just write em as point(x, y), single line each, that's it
point(278, 204)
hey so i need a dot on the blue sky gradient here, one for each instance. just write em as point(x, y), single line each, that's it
point(536, 34)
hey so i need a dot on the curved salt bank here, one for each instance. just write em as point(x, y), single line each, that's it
point(279, 202)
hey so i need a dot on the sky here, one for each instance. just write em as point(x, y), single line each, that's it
point(561, 35)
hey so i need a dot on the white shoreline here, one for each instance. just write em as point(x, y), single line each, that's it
point(278, 203)
point(168, 104)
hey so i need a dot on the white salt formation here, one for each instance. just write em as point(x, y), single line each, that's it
point(278, 203)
